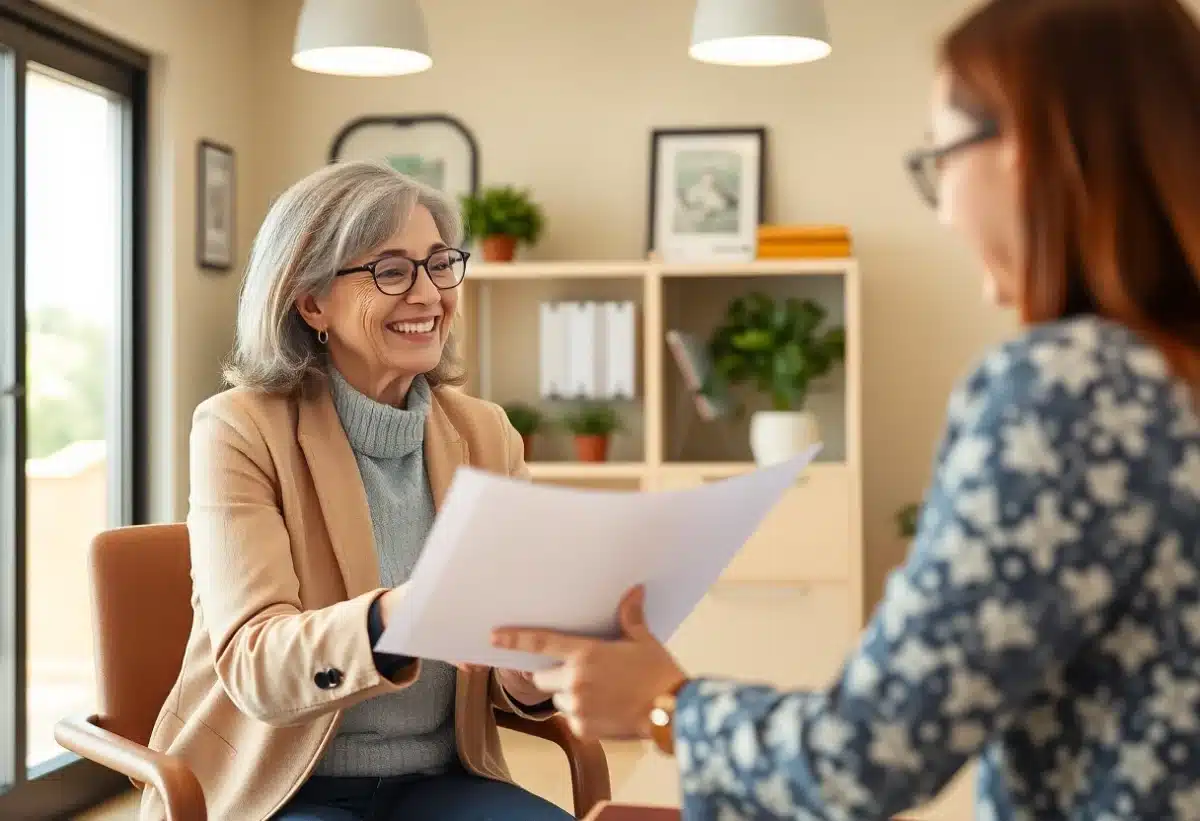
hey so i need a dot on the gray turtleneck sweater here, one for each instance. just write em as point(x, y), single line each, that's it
point(411, 731)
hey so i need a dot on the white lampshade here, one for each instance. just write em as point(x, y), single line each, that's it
point(759, 32)
point(362, 38)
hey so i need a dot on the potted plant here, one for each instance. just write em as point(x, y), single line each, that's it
point(906, 521)
point(777, 348)
point(592, 425)
point(499, 217)
point(527, 420)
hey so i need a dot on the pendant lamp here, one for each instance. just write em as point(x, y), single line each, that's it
point(362, 38)
point(759, 32)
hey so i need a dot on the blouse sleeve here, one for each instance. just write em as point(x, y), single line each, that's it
point(1002, 581)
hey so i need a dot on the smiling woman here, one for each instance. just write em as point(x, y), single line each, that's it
point(302, 288)
point(314, 482)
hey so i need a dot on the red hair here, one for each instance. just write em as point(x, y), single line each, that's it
point(1103, 100)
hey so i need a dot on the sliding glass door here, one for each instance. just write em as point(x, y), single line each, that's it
point(71, 135)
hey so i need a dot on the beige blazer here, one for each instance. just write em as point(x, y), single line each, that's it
point(284, 570)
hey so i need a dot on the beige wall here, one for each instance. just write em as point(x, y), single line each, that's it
point(562, 97)
point(202, 86)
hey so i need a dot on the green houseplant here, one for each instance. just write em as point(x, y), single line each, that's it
point(592, 425)
point(527, 420)
point(778, 348)
point(906, 521)
point(501, 216)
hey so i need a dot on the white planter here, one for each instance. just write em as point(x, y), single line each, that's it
point(776, 436)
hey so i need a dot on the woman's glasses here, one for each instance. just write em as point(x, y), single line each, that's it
point(395, 275)
point(925, 164)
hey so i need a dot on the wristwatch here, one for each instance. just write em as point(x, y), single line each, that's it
point(662, 720)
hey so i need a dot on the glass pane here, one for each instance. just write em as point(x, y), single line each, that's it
point(74, 239)
point(8, 442)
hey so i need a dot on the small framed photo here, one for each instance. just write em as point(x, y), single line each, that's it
point(706, 193)
point(214, 206)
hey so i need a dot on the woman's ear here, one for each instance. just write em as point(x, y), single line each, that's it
point(310, 310)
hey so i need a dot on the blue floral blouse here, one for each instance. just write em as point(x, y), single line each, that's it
point(1047, 619)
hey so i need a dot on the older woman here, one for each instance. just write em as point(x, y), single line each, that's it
point(314, 482)
point(1048, 617)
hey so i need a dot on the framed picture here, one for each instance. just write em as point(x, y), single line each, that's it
point(706, 193)
point(214, 206)
point(436, 149)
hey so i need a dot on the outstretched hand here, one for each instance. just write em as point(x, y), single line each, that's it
point(605, 688)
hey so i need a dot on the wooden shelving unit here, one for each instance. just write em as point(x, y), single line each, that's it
point(791, 604)
point(499, 342)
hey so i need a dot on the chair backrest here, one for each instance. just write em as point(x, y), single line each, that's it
point(142, 613)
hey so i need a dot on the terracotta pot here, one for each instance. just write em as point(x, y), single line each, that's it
point(527, 442)
point(591, 448)
point(499, 248)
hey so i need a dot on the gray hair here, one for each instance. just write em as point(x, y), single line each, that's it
point(312, 230)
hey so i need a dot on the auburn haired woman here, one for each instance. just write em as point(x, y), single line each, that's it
point(1048, 617)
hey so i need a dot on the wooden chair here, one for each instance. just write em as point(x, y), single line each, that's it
point(142, 614)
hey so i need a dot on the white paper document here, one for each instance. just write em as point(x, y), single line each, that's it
point(508, 553)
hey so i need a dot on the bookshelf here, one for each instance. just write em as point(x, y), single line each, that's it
point(498, 333)
point(790, 606)
point(814, 536)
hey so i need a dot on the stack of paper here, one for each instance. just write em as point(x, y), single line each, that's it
point(506, 553)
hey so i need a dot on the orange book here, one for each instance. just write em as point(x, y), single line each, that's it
point(792, 233)
point(791, 250)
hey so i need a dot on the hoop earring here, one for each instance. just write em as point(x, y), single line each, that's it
point(323, 336)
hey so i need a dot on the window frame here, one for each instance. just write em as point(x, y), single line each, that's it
point(30, 33)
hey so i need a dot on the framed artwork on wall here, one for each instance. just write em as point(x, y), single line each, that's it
point(436, 149)
point(706, 193)
point(215, 180)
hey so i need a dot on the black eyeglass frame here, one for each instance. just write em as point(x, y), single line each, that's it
point(916, 160)
point(418, 265)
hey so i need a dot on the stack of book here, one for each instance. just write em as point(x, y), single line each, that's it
point(799, 241)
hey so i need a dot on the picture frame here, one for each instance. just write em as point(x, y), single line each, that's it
point(437, 149)
point(707, 193)
point(215, 206)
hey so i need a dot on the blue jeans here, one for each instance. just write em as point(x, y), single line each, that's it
point(455, 796)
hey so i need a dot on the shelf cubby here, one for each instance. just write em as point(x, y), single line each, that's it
point(500, 315)
point(696, 304)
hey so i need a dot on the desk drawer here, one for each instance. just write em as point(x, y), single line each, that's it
point(806, 537)
point(788, 636)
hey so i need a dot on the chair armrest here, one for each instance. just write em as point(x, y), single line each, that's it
point(176, 783)
point(624, 812)
point(589, 765)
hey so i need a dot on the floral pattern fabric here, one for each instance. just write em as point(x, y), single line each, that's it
point(1046, 621)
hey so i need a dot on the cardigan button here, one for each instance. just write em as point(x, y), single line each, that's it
point(329, 679)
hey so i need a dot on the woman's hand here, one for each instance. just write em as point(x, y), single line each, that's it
point(605, 689)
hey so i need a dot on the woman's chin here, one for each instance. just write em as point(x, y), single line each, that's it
point(414, 365)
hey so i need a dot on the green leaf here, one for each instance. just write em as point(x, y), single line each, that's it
point(777, 347)
point(503, 211)
point(594, 419)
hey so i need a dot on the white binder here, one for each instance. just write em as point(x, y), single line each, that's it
point(620, 353)
point(553, 344)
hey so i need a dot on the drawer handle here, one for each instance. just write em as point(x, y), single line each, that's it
point(759, 591)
